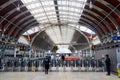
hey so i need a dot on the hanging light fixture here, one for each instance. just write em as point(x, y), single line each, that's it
point(91, 4)
point(2, 33)
point(18, 6)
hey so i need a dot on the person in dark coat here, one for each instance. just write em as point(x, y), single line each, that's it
point(108, 64)
point(46, 64)
point(0, 63)
point(63, 59)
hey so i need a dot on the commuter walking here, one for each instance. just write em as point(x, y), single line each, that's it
point(108, 64)
point(63, 58)
point(46, 64)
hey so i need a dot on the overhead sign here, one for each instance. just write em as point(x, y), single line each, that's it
point(116, 38)
point(22, 48)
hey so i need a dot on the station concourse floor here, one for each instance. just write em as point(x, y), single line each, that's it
point(56, 76)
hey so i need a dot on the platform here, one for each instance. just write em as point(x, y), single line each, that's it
point(56, 76)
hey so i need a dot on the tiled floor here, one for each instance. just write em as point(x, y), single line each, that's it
point(56, 76)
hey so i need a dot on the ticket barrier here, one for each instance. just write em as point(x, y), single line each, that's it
point(100, 65)
point(40, 65)
point(30, 65)
point(1, 67)
point(9, 65)
point(36, 64)
point(78, 64)
point(88, 65)
point(54, 65)
point(85, 65)
point(23, 66)
point(93, 65)
point(16, 66)
point(57, 65)
point(71, 65)
point(64, 66)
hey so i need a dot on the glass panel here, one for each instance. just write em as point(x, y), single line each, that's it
point(85, 29)
point(34, 5)
point(61, 35)
point(27, 1)
point(32, 30)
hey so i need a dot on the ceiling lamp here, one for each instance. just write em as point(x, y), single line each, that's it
point(18, 7)
point(91, 4)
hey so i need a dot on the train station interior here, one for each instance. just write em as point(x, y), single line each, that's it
point(80, 39)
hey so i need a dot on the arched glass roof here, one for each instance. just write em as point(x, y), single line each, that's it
point(58, 14)
point(55, 11)
point(60, 35)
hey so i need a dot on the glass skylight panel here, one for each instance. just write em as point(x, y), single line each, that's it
point(72, 25)
point(37, 15)
point(62, 2)
point(41, 26)
point(74, 3)
point(51, 34)
point(63, 20)
point(78, 26)
point(52, 19)
point(63, 8)
point(27, 1)
point(85, 29)
point(72, 9)
point(45, 3)
point(52, 16)
point(42, 15)
point(32, 30)
point(70, 34)
point(72, 13)
point(63, 12)
point(35, 11)
point(58, 34)
point(35, 29)
point(44, 21)
point(49, 8)
point(89, 31)
point(51, 13)
point(64, 34)
point(31, 6)
point(42, 18)
point(25, 33)
point(72, 19)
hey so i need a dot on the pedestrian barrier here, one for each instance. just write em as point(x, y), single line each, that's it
point(56, 65)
